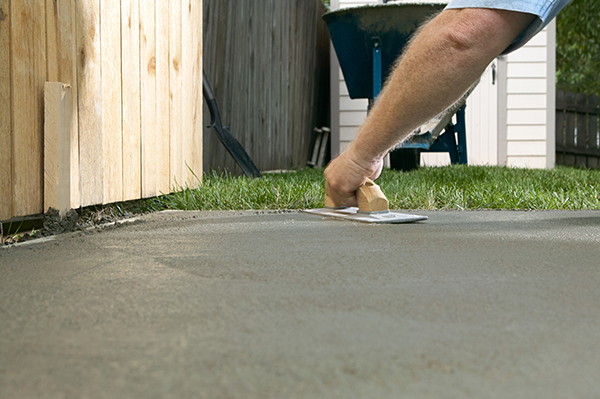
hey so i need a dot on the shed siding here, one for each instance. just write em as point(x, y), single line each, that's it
point(481, 123)
point(529, 86)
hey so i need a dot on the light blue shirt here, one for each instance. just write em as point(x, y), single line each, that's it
point(545, 10)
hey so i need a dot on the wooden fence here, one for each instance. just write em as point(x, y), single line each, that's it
point(268, 64)
point(133, 69)
point(577, 130)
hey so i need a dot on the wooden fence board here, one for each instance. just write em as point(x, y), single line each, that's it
point(577, 132)
point(119, 67)
point(52, 38)
point(67, 73)
point(560, 126)
point(560, 118)
point(187, 74)
point(112, 138)
point(6, 186)
point(57, 146)
point(582, 132)
point(148, 93)
point(162, 176)
point(176, 165)
point(28, 75)
point(260, 57)
point(131, 99)
point(570, 128)
point(197, 99)
point(592, 123)
point(90, 102)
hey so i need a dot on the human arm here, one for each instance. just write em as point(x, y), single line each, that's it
point(441, 64)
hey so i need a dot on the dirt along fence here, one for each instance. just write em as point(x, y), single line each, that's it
point(124, 123)
point(577, 130)
point(268, 64)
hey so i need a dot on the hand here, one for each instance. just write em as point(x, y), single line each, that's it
point(346, 173)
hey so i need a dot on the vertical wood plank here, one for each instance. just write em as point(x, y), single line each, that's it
point(90, 102)
point(569, 127)
point(163, 178)
point(61, 42)
point(196, 18)
point(67, 73)
point(594, 131)
point(148, 95)
point(187, 73)
point(57, 146)
point(560, 125)
point(261, 61)
point(176, 166)
point(594, 134)
point(582, 132)
point(28, 47)
point(111, 130)
point(6, 202)
point(131, 99)
point(52, 45)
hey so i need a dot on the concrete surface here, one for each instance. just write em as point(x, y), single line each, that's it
point(290, 305)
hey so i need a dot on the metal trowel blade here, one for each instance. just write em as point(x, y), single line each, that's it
point(352, 213)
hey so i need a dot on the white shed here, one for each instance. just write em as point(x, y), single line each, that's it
point(509, 116)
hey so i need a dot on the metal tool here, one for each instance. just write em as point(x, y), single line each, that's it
point(319, 149)
point(373, 207)
point(229, 141)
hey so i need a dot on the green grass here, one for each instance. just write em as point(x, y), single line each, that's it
point(452, 187)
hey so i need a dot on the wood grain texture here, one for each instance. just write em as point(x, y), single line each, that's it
point(265, 61)
point(52, 41)
point(89, 73)
point(6, 198)
point(6, 186)
point(119, 58)
point(187, 90)
point(148, 94)
point(28, 46)
point(131, 99)
point(57, 146)
point(162, 139)
point(111, 130)
point(176, 166)
point(197, 98)
point(67, 73)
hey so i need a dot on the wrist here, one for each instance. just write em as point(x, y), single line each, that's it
point(363, 160)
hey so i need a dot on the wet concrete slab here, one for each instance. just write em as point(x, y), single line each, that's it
point(490, 304)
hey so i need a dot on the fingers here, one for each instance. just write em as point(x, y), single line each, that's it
point(344, 175)
point(340, 198)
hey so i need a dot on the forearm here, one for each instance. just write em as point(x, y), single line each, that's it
point(441, 64)
point(445, 59)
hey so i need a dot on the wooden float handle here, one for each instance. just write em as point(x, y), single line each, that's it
point(369, 196)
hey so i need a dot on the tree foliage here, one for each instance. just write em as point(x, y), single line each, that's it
point(578, 47)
